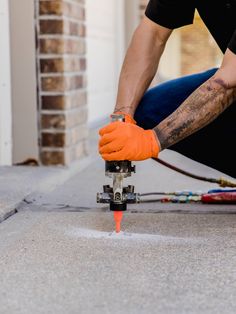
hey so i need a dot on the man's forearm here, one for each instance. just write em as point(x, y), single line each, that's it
point(140, 65)
point(136, 75)
point(199, 109)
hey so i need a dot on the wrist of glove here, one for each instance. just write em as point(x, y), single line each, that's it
point(128, 117)
point(127, 141)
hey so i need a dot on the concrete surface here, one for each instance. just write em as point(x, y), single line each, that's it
point(72, 263)
point(17, 182)
point(59, 255)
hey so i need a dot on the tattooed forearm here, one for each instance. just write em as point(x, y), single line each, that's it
point(199, 109)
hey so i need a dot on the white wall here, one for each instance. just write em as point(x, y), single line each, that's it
point(5, 87)
point(23, 64)
point(132, 19)
point(105, 51)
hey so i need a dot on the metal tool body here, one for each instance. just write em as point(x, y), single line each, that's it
point(118, 196)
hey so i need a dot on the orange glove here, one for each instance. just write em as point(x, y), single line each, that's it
point(126, 141)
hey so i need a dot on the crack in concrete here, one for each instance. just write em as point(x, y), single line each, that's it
point(8, 214)
point(27, 205)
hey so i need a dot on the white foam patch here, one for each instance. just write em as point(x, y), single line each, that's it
point(95, 234)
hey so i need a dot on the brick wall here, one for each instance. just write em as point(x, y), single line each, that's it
point(61, 62)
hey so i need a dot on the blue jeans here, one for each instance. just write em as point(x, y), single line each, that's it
point(214, 145)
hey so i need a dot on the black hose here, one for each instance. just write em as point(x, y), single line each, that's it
point(222, 182)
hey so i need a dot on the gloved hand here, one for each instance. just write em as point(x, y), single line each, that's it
point(126, 141)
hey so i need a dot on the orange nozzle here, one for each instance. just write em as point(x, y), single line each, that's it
point(118, 217)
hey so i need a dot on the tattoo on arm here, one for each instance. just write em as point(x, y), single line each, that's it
point(202, 107)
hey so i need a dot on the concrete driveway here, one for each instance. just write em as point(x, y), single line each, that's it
point(59, 254)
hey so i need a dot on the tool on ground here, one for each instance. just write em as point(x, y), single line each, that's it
point(118, 196)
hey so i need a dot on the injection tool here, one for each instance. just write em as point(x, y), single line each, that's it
point(118, 195)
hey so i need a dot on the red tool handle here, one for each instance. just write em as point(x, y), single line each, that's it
point(219, 198)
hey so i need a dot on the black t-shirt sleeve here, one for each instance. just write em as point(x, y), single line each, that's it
point(171, 13)
point(232, 43)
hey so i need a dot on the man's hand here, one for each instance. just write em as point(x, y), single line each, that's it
point(127, 141)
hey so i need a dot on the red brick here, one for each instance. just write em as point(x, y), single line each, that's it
point(53, 139)
point(65, 27)
point(58, 65)
point(54, 102)
point(53, 121)
point(62, 8)
point(62, 83)
point(55, 84)
point(64, 156)
point(51, 27)
point(51, 7)
point(62, 102)
point(61, 46)
point(53, 158)
point(52, 65)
